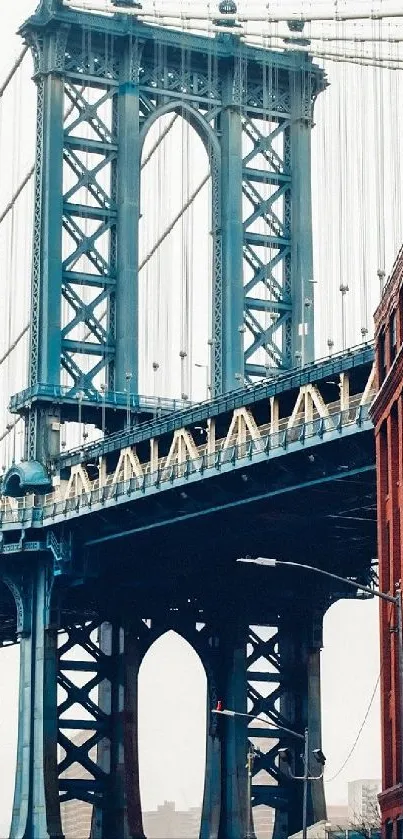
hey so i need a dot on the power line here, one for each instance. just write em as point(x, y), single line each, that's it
point(333, 778)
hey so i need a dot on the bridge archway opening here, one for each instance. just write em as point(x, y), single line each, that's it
point(175, 261)
point(172, 734)
point(355, 625)
point(10, 664)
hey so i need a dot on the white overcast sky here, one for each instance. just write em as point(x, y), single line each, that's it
point(172, 682)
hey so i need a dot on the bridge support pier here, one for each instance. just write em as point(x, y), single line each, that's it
point(226, 796)
point(36, 809)
point(300, 641)
point(118, 812)
point(81, 698)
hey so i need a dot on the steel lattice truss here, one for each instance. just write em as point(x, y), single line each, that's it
point(89, 222)
point(93, 724)
point(241, 101)
point(267, 254)
point(91, 676)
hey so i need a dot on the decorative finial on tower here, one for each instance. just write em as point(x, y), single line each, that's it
point(296, 25)
point(49, 7)
point(228, 8)
point(127, 4)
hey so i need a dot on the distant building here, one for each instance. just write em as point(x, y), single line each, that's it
point(337, 815)
point(76, 815)
point(166, 822)
point(76, 819)
point(263, 815)
point(325, 830)
point(363, 802)
point(314, 831)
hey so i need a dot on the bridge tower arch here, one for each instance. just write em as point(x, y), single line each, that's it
point(100, 81)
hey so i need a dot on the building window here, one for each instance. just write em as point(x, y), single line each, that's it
point(393, 336)
point(381, 357)
point(383, 457)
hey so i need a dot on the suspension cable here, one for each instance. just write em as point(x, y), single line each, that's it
point(14, 344)
point(13, 70)
point(9, 428)
point(159, 140)
point(16, 195)
point(174, 221)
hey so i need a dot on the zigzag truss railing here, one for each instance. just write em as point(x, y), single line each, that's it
point(310, 418)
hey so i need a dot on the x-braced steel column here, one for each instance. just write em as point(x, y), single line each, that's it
point(118, 812)
point(302, 287)
point(101, 766)
point(46, 289)
point(230, 130)
point(128, 163)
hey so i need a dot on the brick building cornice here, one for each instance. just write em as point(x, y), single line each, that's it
point(389, 391)
point(390, 295)
point(392, 798)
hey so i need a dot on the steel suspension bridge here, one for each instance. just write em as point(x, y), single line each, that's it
point(172, 233)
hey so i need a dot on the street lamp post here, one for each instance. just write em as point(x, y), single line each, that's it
point(284, 755)
point(206, 369)
point(128, 378)
point(306, 777)
point(80, 396)
point(103, 408)
point(382, 595)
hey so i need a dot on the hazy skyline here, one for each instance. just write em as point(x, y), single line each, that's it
point(172, 688)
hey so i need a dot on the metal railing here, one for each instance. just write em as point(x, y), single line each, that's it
point(186, 417)
point(33, 509)
point(109, 398)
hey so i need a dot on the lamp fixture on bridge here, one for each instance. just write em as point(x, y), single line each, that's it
point(382, 595)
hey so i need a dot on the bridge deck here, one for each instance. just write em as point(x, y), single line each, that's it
point(320, 370)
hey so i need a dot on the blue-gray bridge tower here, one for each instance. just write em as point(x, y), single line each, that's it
point(102, 82)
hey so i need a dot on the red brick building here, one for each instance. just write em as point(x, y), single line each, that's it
point(387, 414)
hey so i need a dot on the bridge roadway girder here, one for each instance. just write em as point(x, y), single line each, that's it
point(169, 557)
point(355, 366)
point(168, 570)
